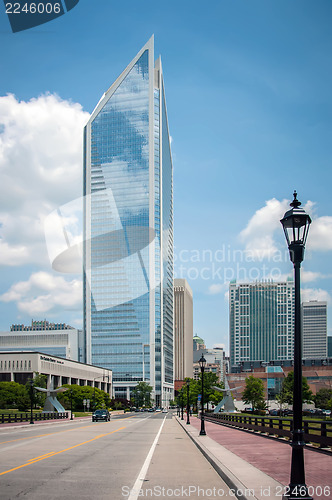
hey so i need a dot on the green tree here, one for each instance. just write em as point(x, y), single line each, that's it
point(195, 388)
point(323, 399)
point(79, 393)
point(14, 395)
point(287, 389)
point(141, 394)
point(254, 393)
point(39, 380)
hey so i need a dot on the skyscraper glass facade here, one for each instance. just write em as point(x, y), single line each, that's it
point(261, 321)
point(128, 252)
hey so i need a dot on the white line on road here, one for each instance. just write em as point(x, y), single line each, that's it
point(134, 493)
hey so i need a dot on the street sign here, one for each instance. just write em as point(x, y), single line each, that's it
point(199, 397)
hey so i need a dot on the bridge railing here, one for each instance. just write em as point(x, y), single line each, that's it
point(315, 431)
point(25, 417)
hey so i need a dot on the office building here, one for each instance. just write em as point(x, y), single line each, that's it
point(198, 343)
point(39, 325)
point(183, 330)
point(261, 321)
point(128, 232)
point(65, 343)
point(314, 321)
point(21, 366)
point(215, 361)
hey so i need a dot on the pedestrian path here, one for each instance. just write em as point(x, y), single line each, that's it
point(259, 463)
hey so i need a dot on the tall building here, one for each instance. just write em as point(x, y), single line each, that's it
point(128, 231)
point(261, 321)
point(215, 361)
point(183, 330)
point(314, 321)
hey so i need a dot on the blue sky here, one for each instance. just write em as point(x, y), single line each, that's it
point(248, 88)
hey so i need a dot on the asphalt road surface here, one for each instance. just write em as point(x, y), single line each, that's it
point(138, 455)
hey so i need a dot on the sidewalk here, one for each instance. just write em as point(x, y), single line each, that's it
point(252, 463)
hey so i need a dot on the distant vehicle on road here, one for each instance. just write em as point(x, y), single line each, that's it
point(101, 415)
point(165, 410)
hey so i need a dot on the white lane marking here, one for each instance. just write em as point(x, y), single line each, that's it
point(134, 493)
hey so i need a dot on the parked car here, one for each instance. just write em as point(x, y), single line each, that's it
point(101, 415)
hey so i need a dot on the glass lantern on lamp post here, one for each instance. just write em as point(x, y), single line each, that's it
point(296, 224)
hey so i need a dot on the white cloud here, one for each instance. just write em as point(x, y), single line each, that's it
point(308, 294)
point(309, 276)
point(219, 346)
point(40, 169)
point(320, 234)
point(215, 289)
point(258, 235)
point(44, 292)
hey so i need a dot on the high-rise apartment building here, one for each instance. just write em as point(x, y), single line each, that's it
point(261, 322)
point(128, 251)
point(183, 330)
point(314, 324)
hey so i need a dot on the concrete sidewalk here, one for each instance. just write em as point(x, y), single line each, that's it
point(253, 464)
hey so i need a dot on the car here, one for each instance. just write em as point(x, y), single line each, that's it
point(150, 410)
point(101, 415)
point(164, 410)
point(158, 409)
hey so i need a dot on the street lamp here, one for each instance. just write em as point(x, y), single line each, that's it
point(71, 404)
point(202, 363)
point(182, 404)
point(296, 224)
point(188, 407)
point(31, 401)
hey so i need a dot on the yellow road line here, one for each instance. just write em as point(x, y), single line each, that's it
point(52, 454)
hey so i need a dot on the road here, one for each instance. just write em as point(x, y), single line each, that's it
point(132, 456)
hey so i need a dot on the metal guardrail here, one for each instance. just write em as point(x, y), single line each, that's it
point(315, 431)
point(25, 417)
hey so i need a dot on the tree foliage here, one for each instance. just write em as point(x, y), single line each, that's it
point(98, 398)
point(141, 394)
point(286, 395)
point(195, 388)
point(14, 395)
point(323, 399)
point(254, 393)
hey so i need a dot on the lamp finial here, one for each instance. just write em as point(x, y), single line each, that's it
point(295, 203)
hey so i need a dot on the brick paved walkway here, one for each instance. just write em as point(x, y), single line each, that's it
point(271, 456)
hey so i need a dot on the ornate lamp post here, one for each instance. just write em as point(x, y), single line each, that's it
point(202, 363)
point(188, 406)
point(296, 224)
point(182, 404)
point(31, 401)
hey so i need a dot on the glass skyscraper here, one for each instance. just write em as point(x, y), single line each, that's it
point(261, 322)
point(128, 250)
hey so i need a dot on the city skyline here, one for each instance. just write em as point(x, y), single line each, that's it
point(249, 108)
